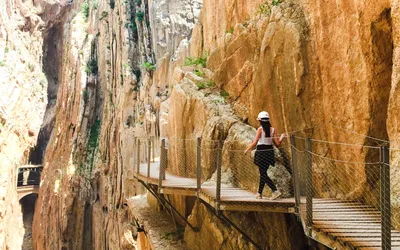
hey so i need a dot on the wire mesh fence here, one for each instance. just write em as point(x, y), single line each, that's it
point(394, 188)
point(182, 155)
point(336, 183)
point(261, 172)
point(345, 187)
point(223, 172)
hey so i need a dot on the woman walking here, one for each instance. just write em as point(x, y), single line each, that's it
point(264, 157)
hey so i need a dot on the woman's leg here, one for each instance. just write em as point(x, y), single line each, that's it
point(263, 178)
point(269, 182)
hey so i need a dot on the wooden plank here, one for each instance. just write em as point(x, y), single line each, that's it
point(323, 201)
point(373, 244)
point(254, 208)
point(340, 209)
point(352, 233)
point(177, 191)
point(346, 230)
point(340, 205)
point(348, 212)
point(368, 238)
point(366, 219)
point(347, 226)
point(343, 216)
point(347, 215)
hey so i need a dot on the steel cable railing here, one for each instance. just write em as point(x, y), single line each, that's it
point(346, 186)
point(332, 182)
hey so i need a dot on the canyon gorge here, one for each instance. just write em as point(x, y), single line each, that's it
point(83, 80)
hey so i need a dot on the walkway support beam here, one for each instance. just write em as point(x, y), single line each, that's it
point(138, 157)
point(296, 181)
point(166, 203)
point(163, 165)
point(386, 217)
point(148, 158)
point(309, 188)
point(219, 163)
point(198, 165)
point(153, 144)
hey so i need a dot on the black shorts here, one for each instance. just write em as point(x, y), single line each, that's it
point(264, 156)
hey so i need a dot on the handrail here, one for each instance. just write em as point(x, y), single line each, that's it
point(196, 153)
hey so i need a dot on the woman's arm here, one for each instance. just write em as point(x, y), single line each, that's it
point(276, 140)
point(254, 143)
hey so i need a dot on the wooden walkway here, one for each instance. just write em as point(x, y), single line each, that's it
point(232, 199)
point(336, 223)
point(349, 225)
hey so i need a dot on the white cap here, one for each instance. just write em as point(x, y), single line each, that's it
point(263, 115)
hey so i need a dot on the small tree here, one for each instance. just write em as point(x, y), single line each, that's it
point(149, 66)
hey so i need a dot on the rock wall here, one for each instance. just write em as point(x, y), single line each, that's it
point(23, 101)
point(291, 59)
point(107, 96)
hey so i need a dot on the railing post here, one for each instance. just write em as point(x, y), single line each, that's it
point(296, 184)
point(163, 166)
point(138, 158)
point(309, 188)
point(134, 152)
point(386, 220)
point(218, 191)
point(198, 164)
point(153, 147)
point(148, 158)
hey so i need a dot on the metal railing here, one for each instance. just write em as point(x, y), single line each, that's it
point(311, 171)
point(29, 175)
point(217, 169)
point(356, 177)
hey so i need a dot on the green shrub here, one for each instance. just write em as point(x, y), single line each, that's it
point(104, 14)
point(224, 94)
point(95, 4)
point(92, 67)
point(132, 26)
point(2, 64)
point(198, 72)
point(138, 2)
point(149, 66)
point(204, 84)
point(264, 8)
point(231, 30)
point(108, 46)
point(85, 9)
point(140, 15)
point(276, 2)
point(112, 4)
point(6, 50)
point(196, 61)
point(94, 134)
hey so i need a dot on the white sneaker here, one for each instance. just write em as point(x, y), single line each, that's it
point(275, 195)
point(258, 196)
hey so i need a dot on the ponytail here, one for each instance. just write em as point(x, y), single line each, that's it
point(266, 125)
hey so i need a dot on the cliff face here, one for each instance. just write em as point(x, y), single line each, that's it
point(106, 96)
point(23, 100)
point(326, 65)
